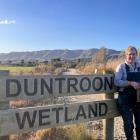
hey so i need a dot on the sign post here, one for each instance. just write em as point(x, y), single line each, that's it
point(4, 104)
point(109, 123)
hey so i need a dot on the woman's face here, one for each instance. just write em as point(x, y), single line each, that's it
point(131, 56)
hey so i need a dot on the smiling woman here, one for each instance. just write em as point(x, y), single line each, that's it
point(128, 89)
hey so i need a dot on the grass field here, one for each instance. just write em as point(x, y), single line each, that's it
point(17, 69)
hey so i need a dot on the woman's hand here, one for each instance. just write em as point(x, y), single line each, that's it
point(135, 85)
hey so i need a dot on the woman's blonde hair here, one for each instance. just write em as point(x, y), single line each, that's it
point(131, 48)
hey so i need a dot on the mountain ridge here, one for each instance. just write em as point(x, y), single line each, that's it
point(65, 54)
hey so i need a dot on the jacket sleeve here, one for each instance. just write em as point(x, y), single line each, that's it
point(120, 76)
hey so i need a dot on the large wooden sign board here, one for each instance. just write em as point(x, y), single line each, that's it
point(33, 118)
point(35, 87)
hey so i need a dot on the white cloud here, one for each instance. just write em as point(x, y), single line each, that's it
point(7, 22)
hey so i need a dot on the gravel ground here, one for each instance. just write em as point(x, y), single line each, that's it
point(118, 130)
point(96, 128)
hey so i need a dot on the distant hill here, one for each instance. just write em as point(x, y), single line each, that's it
point(52, 54)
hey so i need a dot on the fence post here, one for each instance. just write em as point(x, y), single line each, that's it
point(4, 104)
point(108, 124)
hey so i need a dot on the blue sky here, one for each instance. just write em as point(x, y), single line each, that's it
point(28, 25)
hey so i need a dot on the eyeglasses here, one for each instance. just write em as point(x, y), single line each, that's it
point(131, 54)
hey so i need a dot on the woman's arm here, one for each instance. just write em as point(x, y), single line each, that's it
point(120, 76)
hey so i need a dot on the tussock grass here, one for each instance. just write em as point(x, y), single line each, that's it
point(107, 67)
point(112, 64)
point(71, 132)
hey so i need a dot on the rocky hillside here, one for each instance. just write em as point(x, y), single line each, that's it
point(52, 54)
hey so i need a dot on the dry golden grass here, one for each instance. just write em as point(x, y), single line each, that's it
point(112, 64)
point(21, 103)
point(108, 67)
point(72, 132)
point(90, 68)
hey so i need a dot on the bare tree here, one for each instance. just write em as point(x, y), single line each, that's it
point(99, 61)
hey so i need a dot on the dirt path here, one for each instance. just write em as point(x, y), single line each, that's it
point(71, 72)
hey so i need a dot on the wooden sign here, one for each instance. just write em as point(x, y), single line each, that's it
point(35, 87)
point(33, 118)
